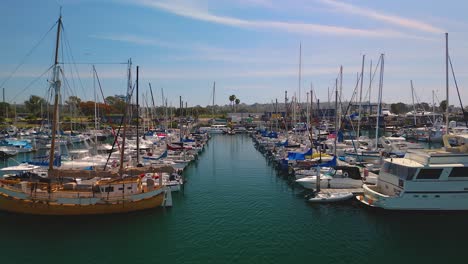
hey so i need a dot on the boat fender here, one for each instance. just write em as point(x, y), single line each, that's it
point(345, 174)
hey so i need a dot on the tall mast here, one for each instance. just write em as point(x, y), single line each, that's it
point(433, 108)
point(56, 84)
point(300, 71)
point(138, 118)
point(311, 112)
point(124, 134)
point(446, 84)
point(360, 97)
point(336, 119)
point(214, 90)
point(152, 112)
point(95, 109)
point(286, 111)
point(414, 106)
point(370, 86)
point(379, 106)
point(307, 110)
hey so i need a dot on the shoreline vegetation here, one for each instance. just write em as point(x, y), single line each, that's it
point(37, 111)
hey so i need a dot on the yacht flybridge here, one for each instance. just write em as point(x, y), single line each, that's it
point(423, 179)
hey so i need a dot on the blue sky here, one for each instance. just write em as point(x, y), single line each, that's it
point(249, 47)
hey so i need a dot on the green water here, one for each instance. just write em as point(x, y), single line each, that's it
point(237, 209)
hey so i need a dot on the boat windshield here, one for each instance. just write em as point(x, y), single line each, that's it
point(403, 172)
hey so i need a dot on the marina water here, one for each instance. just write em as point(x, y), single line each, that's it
point(236, 208)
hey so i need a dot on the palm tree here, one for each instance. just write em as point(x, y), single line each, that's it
point(232, 98)
point(237, 102)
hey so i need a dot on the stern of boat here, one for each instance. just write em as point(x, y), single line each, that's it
point(372, 196)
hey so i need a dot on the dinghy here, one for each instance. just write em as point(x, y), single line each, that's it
point(331, 197)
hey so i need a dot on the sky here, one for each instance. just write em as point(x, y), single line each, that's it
point(250, 48)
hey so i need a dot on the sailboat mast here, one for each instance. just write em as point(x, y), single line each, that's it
point(300, 71)
point(153, 108)
point(56, 84)
point(339, 96)
point(214, 90)
point(124, 133)
point(307, 110)
point(370, 86)
point(414, 106)
point(446, 84)
point(360, 97)
point(95, 110)
point(138, 118)
point(379, 106)
point(433, 108)
point(311, 113)
point(336, 118)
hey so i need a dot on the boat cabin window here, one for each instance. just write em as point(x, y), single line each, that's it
point(403, 172)
point(459, 172)
point(429, 174)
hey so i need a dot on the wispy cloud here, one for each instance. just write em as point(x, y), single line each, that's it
point(387, 18)
point(132, 39)
point(193, 11)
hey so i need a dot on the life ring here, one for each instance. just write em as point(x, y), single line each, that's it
point(345, 174)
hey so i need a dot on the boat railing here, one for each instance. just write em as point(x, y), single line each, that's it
point(374, 191)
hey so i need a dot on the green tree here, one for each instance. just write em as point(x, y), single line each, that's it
point(237, 102)
point(424, 106)
point(34, 104)
point(399, 108)
point(232, 98)
point(443, 105)
point(116, 104)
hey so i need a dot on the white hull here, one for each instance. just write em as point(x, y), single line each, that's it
point(310, 182)
point(331, 197)
point(432, 201)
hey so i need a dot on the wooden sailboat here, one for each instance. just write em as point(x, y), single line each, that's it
point(81, 192)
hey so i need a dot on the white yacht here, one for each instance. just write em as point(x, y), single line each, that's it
point(397, 146)
point(423, 179)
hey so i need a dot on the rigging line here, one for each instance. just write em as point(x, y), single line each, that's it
point(108, 107)
point(418, 102)
point(372, 78)
point(352, 97)
point(32, 82)
point(27, 55)
point(63, 70)
point(63, 67)
point(67, 84)
point(437, 98)
point(458, 92)
point(67, 44)
point(91, 63)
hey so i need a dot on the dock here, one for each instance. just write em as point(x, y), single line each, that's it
point(354, 191)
